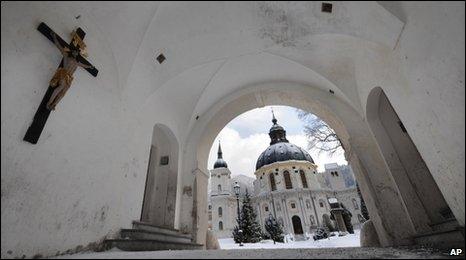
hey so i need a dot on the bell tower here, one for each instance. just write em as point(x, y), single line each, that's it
point(220, 176)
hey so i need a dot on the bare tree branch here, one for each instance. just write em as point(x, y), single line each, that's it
point(320, 136)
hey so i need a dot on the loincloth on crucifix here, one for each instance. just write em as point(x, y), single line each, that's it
point(74, 55)
point(61, 81)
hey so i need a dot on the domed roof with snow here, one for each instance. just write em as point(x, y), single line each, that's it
point(280, 148)
point(220, 163)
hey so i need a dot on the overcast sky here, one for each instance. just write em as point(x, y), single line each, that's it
point(246, 137)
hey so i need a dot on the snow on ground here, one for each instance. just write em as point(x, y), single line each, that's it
point(339, 247)
point(350, 240)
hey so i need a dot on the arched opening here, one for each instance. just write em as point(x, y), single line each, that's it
point(273, 185)
point(303, 179)
point(297, 226)
point(161, 181)
point(219, 188)
point(220, 212)
point(220, 225)
point(423, 200)
point(240, 148)
point(288, 184)
point(390, 220)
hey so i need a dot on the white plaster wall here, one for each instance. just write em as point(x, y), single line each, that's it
point(160, 189)
point(68, 189)
point(102, 128)
point(427, 74)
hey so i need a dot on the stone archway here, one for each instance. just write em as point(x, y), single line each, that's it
point(161, 182)
point(297, 225)
point(360, 150)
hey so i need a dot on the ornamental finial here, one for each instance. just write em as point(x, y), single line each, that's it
point(219, 153)
point(274, 120)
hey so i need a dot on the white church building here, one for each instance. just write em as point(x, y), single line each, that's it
point(287, 186)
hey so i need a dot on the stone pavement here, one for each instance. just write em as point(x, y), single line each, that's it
point(296, 253)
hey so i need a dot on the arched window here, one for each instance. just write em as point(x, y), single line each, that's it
point(321, 203)
point(313, 222)
point(220, 213)
point(220, 225)
point(303, 178)
point(273, 186)
point(355, 204)
point(219, 187)
point(287, 177)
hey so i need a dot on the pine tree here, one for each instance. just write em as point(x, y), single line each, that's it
point(247, 222)
point(236, 234)
point(273, 227)
point(364, 211)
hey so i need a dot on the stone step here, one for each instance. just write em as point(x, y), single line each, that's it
point(445, 226)
point(451, 238)
point(149, 245)
point(160, 230)
point(138, 234)
point(299, 238)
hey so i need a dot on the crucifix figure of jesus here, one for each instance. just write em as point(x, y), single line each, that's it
point(63, 77)
point(73, 56)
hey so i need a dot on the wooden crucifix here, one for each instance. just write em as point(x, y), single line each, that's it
point(73, 56)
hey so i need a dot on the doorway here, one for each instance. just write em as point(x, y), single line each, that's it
point(297, 226)
point(423, 199)
point(158, 207)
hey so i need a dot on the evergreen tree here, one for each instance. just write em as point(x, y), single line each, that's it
point(364, 211)
point(247, 222)
point(236, 234)
point(274, 229)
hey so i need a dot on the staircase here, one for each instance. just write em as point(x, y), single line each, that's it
point(146, 237)
point(299, 238)
point(443, 235)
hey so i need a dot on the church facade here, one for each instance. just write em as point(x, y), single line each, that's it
point(286, 186)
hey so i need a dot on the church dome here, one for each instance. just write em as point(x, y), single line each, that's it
point(220, 163)
point(281, 149)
